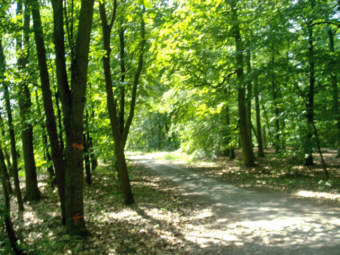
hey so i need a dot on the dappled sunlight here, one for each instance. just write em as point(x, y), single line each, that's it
point(268, 226)
point(180, 211)
point(228, 216)
point(314, 194)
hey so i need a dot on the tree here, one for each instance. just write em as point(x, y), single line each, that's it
point(120, 127)
point(334, 83)
point(245, 138)
point(57, 155)
point(5, 211)
point(73, 102)
point(22, 47)
point(258, 119)
point(11, 129)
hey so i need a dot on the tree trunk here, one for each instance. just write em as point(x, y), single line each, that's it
point(112, 108)
point(60, 125)
point(258, 119)
point(11, 131)
point(230, 149)
point(334, 84)
point(275, 97)
point(57, 155)
point(249, 94)
point(87, 151)
point(87, 161)
point(310, 102)
point(47, 154)
point(6, 174)
point(8, 223)
point(122, 80)
point(32, 191)
point(73, 102)
point(245, 139)
point(93, 157)
point(92, 154)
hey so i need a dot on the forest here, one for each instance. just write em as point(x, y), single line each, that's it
point(107, 108)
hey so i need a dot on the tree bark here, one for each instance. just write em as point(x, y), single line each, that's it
point(136, 79)
point(6, 214)
point(47, 154)
point(122, 80)
point(112, 107)
point(32, 191)
point(6, 173)
point(87, 151)
point(245, 139)
point(334, 84)
point(60, 125)
point(73, 102)
point(11, 131)
point(258, 119)
point(275, 97)
point(310, 102)
point(249, 93)
point(57, 155)
point(230, 149)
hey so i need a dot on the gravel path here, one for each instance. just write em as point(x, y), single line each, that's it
point(235, 221)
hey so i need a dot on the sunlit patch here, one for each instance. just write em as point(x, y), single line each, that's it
point(119, 215)
point(203, 214)
point(273, 225)
point(314, 194)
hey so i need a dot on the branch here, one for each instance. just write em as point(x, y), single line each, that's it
point(113, 18)
point(136, 78)
point(69, 28)
point(328, 22)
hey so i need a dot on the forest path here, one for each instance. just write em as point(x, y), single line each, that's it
point(236, 221)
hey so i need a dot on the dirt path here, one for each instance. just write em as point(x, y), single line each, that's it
point(235, 221)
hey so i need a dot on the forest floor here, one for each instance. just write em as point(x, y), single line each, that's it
point(203, 208)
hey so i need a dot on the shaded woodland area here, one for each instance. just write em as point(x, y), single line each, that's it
point(82, 82)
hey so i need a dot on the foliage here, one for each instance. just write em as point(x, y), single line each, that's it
point(187, 99)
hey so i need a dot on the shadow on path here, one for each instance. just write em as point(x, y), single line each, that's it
point(233, 220)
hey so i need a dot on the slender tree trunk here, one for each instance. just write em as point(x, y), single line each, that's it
point(93, 157)
point(230, 149)
point(57, 155)
point(112, 108)
point(123, 74)
point(60, 125)
point(258, 119)
point(11, 131)
point(275, 98)
point(8, 223)
point(87, 151)
point(245, 139)
point(32, 191)
point(249, 94)
point(73, 102)
point(6, 174)
point(266, 131)
point(47, 154)
point(334, 84)
point(310, 102)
